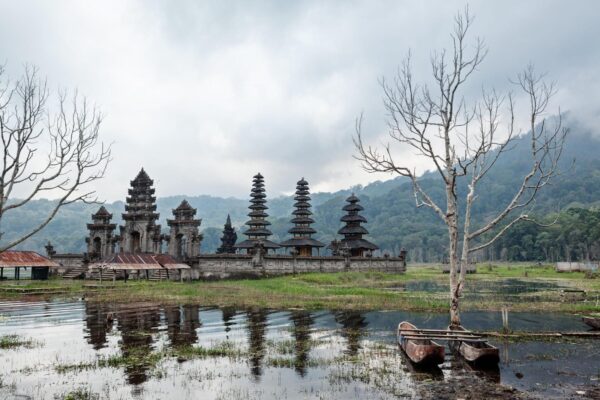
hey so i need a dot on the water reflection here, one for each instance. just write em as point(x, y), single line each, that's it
point(257, 323)
point(98, 322)
point(139, 330)
point(137, 327)
point(228, 314)
point(302, 322)
point(353, 329)
point(182, 323)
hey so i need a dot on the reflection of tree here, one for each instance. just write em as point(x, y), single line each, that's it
point(353, 326)
point(302, 321)
point(137, 326)
point(257, 323)
point(98, 322)
point(182, 323)
point(228, 314)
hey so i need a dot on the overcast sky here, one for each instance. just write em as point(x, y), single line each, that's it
point(205, 94)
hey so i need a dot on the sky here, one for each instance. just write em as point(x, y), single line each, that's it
point(204, 94)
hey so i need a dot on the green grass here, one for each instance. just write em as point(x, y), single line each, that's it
point(15, 341)
point(346, 290)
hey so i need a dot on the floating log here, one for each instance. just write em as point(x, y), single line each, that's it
point(591, 334)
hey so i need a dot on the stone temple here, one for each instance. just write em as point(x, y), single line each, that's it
point(140, 250)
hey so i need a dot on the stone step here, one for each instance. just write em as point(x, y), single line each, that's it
point(75, 273)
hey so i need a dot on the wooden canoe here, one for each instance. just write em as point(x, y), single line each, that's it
point(594, 322)
point(419, 351)
point(475, 351)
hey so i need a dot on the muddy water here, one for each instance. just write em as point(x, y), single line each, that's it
point(278, 354)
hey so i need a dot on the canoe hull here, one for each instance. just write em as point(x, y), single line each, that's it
point(475, 352)
point(592, 322)
point(420, 352)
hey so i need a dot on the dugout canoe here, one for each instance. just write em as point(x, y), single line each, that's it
point(477, 351)
point(593, 322)
point(422, 352)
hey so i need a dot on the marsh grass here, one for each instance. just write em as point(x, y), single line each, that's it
point(15, 341)
point(368, 290)
point(141, 358)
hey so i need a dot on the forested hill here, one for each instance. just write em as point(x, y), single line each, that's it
point(394, 222)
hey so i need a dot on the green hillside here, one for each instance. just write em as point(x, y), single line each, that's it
point(394, 222)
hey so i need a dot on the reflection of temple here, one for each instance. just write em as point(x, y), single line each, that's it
point(182, 323)
point(137, 326)
point(353, 328)
point(257, 324)
point(228, 314)
point(302, 321)
point(98, 322)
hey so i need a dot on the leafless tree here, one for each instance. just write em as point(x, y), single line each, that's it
point(44, 151)
point(464, 140)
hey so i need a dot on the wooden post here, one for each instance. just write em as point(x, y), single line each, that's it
point(180, 275)
point(505, 319)
point(147, 275)
point(100, 270)
point(1, 273)
point(114, 276)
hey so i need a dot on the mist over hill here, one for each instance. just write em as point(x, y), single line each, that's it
point(394, 222)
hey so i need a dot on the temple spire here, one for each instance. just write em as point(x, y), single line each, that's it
point(141, 233)
point(353, 231)
point(257, 232)
point(228, 239)
point(301, 239)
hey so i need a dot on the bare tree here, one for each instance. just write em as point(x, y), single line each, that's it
point(46, 152)
point(464, 140)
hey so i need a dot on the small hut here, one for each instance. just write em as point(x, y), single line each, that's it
point(17, 260)
point(140, 264)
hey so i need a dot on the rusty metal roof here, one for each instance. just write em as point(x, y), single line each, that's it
point(15, 258)
point(139, 261)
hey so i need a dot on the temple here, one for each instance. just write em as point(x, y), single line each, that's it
point(140, 234)
point(142, 251)
point(257, 233)
point(302, 241)
point(184, 237)
point(228, 239)
point(353, 231)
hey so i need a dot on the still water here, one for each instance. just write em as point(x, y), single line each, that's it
point(291, 354)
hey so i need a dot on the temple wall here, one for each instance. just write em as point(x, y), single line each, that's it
point(67, 262)
point(218, 266)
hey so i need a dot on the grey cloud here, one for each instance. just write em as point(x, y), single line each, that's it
point(204, 94)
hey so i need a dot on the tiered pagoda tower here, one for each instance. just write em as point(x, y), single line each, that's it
point(228, 239)
point(100, 242)
point(141, 234)
point(184, 237)
point(257, 232)
point(353, 231)
point(301, 239)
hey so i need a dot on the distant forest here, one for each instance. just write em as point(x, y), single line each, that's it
point(572, 202)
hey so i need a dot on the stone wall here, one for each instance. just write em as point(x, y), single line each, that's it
point(218, 266)
point(67, 262)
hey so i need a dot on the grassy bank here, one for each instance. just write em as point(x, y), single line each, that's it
point(422, 288)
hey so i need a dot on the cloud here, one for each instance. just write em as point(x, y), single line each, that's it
point(205, 94)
